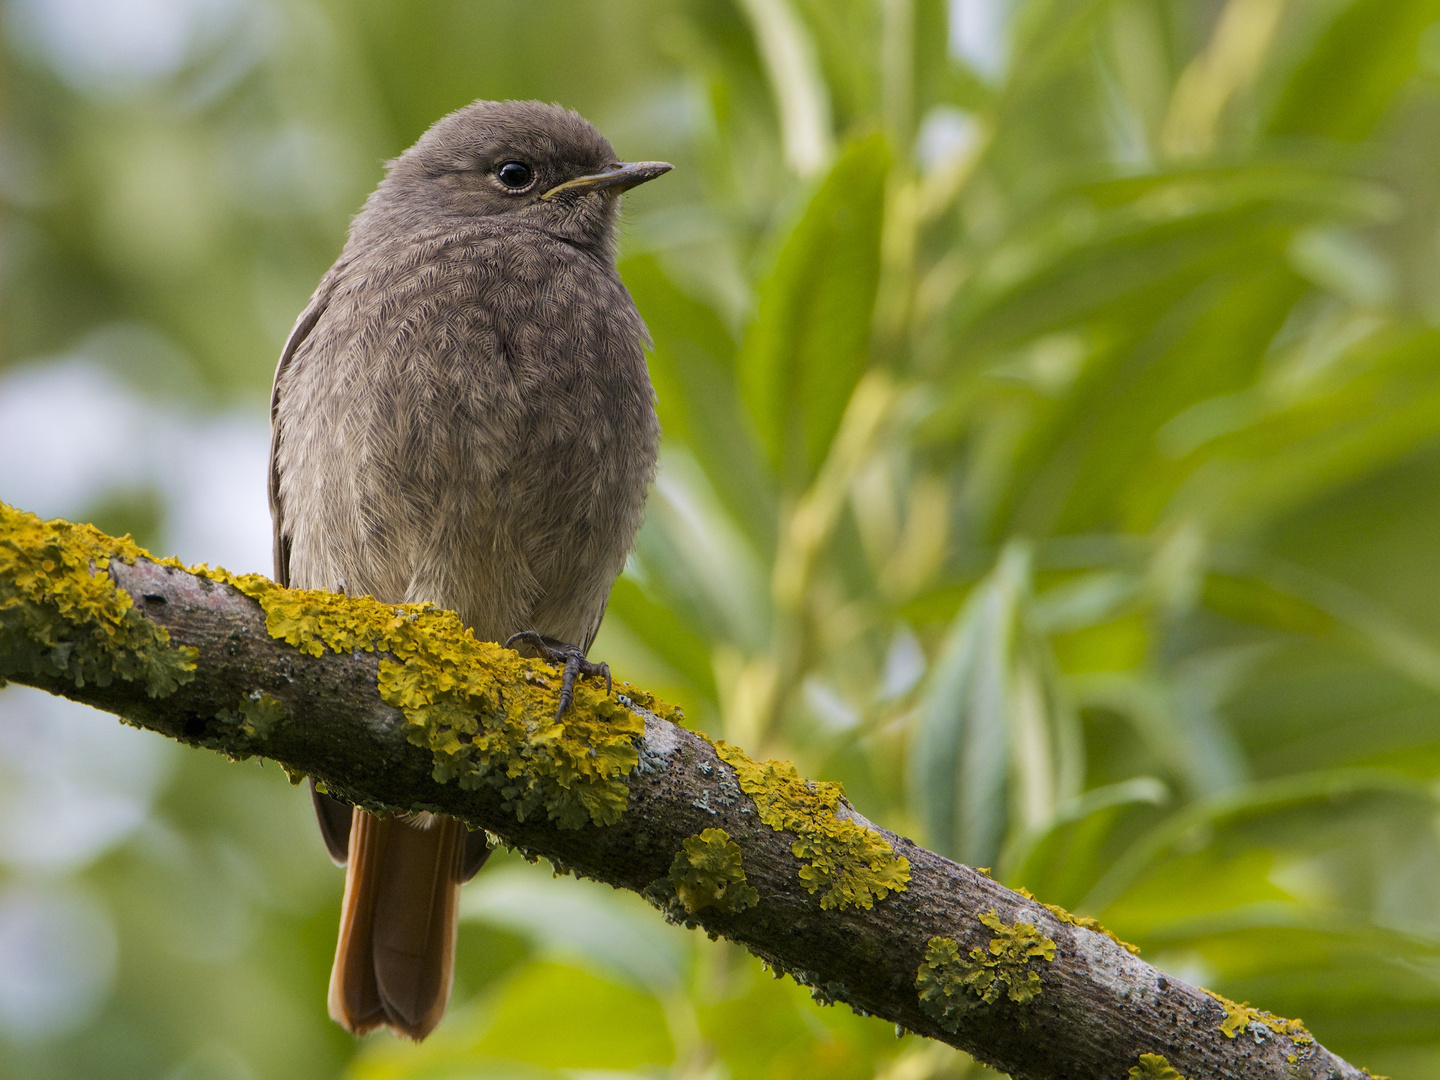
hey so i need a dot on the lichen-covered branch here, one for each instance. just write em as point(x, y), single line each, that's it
point(401, 708)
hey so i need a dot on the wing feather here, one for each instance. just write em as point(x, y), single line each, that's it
point(307, 321)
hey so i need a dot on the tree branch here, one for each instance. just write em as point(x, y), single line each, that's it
point(400, 708)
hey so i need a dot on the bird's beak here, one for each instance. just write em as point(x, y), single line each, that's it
point(620, 176)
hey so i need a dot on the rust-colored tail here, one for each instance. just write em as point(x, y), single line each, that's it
point(396, 953)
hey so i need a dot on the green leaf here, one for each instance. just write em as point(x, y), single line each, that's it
point(937, 79)
point(566, 1018)
point(1256, 801)
point(693, 559)
point(766, 1028)
point(698, 398)
point(611, 932)
point(1048, 33)
point(1061, 864)
point(672, 638)
point(1095, 245)
point(1351, 78)
point(810, 341)
point(1266, 589)
point(960, 752)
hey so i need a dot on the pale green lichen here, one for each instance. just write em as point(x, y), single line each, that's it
point(1083, 921)
point(855, 866)
point(61, 618)
point(944, 995)
point(256, 715)
point(1240, 1016)
point(708, 872)
point(1154, 1067)
point(950, 985)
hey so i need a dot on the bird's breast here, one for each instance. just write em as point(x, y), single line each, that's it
point(475, 416)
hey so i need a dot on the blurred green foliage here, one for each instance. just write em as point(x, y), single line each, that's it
point(1052, 455)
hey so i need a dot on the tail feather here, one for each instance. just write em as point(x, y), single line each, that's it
point(354, 996)
point(396, 953)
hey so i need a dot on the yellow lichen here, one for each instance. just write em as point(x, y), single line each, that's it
point(1013, 947)
point(1154, 1067)
point(1083, 921)
point(708, 872)
point(446, 682)
point(855, 866)
point(59, 617)
point(950, 985)
point(1240, 1016)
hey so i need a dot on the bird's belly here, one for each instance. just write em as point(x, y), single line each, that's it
point(517, 533)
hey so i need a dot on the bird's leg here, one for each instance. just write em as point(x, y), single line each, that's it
point(569, 657)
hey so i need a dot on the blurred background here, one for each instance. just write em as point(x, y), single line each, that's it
point(1051, 393)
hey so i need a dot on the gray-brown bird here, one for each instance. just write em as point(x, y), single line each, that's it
point(462, 416)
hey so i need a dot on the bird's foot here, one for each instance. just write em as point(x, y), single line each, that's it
point(568, 657)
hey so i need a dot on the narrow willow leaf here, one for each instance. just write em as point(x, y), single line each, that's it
point(960, 752)
point(809, 343)
point(802, 99)
point(1350, 79)
point(672, 638)
point(1258, 588)
point(1062, 862)
point(1256, 800)
point(935, 747)
point(608, 1025)
point(697, 562)
point(698, 398)
point(1096, 245)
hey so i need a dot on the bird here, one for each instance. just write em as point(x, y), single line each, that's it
point(462, 416)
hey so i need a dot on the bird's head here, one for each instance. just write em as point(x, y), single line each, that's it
point(538, 165)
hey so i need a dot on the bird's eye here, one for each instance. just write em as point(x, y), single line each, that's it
point(514, 175)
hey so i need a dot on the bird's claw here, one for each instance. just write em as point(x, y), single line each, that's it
point(567, 657)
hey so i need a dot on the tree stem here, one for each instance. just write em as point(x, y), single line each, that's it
point(363, 698)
